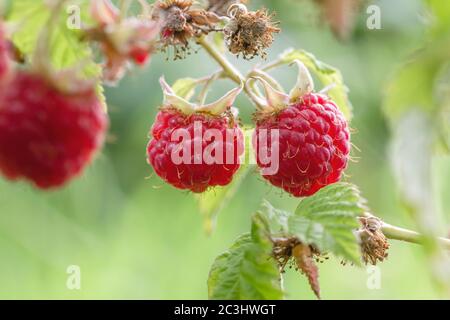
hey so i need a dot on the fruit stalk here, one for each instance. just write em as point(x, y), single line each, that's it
point(397, 233)
point(229, 71)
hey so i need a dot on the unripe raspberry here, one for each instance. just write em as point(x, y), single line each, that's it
point(47, 135)
point(199, 172)
point(313, 138)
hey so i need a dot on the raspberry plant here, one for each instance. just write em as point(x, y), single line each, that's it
point(52, 106)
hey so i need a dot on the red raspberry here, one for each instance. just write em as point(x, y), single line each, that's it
point(314, 144)
point(195, 172)
point(195, 177)
point(47, 136)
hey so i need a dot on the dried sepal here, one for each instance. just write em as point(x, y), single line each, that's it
point(305, 83)
point(221, 105)
point(374, 244)
point(304, 257)
point(249, 33)
point(275, 100)
point(173, 101)
point(217, 108)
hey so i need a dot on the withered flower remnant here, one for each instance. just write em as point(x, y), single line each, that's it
point(121, 39)
point(249, 33)
point(374, 244)
point(180, 22)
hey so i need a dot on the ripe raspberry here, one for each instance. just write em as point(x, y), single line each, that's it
point(313, 140)
point(198, 173)
point(47, 136)
point(314, 145)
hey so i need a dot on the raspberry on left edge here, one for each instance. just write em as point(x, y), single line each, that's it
point(47, 136)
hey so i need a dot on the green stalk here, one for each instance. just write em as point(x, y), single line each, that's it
point(397, 233)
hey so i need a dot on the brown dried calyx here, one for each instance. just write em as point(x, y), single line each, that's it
point(374, 244)
point(290, 251)
point(249, 33)
point(180, 22)
point(220, 7)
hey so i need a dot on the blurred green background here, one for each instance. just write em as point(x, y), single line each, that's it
point(136, 238)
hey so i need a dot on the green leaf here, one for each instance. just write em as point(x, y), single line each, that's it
point(185, 87)
point(327, 74)
point(328, 219)
point(278, 219)
point(246, 270)
point(66, 48)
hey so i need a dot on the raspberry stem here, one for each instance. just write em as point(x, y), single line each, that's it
point(397, 233)
point(229, 70)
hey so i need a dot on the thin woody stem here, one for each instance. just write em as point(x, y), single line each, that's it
point(229, 70)
point(397, 233)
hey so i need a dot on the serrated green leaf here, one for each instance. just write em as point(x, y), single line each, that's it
point(246, 270)
point(328, 219)
point(327, 74)
point(185, 87)
point(278, 219)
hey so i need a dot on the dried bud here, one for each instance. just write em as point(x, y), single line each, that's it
point(249, 33)
point(374, 244)
point(180, 22)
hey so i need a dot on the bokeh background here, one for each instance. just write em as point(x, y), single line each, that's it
point(136, 238)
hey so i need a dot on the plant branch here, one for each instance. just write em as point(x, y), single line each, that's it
point(397, 233)
point(230, 71)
